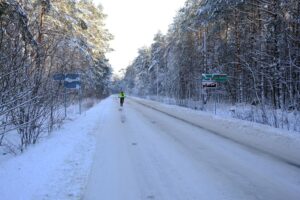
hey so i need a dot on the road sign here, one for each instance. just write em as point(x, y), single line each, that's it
point(72, 81)
point(58, 77)
point(210, 84)
point(215, 77)
point(72, 85)
point(207, 77)
point(72, 77)
point(220, 77)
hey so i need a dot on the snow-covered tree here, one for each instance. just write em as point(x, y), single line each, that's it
point(39, 38)
point(256, 43)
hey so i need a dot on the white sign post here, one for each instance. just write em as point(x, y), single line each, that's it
point(212, 81)
point(71, 81)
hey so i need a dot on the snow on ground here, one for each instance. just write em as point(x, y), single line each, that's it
point(56, 168)
point(10, 145)
point(286, 120)
point(145, 154)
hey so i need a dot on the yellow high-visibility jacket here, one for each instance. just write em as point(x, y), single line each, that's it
point(122, 95)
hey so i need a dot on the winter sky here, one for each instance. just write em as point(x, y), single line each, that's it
point(134, 23)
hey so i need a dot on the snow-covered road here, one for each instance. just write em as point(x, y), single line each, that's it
point(144, 154)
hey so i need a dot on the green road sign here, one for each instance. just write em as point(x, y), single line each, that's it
point(215, 77)
point(220, 77)
point(206, 77)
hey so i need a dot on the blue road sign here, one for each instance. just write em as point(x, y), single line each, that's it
point(72, 85)
point(58, 77)
point(72, 77)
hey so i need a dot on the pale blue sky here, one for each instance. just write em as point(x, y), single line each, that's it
point(134, 23)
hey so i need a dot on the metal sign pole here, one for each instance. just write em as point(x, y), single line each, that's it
point(65, 99)
point(80, 98)
point(215, 104)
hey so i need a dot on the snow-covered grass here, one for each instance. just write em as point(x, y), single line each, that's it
point(57, 167)
point(10, 142)
point(280, 143)
point(287, 120)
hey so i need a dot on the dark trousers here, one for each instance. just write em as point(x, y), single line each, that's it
point(121, 101)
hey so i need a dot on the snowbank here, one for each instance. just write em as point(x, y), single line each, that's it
point(56, 168)
point(280, 143)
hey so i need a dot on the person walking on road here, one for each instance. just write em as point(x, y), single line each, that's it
point(122, 97)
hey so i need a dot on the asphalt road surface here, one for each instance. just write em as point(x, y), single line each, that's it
point(143, 154)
